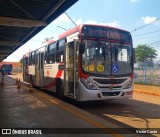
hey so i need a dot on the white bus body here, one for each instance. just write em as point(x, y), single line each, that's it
point(60, 66)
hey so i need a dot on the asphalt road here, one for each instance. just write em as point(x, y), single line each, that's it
point(143, 111)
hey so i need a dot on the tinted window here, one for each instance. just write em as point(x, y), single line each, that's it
point(52, 48)
point(61, 45)
point(51, 58)
point(32, 58)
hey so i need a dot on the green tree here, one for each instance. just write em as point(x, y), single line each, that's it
point(21, 61)
point(145, 53)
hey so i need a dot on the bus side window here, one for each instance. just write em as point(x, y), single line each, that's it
point(29, 59)
point(59, 56)
point(25, 61)
point(33, 58)
point(60, 50)
point(51, 58)
point(51, 53)
point(45, 54)
point(41, 61)
point(60, 45)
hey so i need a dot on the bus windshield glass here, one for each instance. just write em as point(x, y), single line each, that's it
point(107, 58)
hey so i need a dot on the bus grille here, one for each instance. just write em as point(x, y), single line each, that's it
point(111, 93)
point(110, 81)
point(114, 87)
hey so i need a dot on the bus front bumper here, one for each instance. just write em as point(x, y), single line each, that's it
point(85, 94)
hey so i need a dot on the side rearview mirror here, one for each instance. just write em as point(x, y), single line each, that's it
point(134, 55)
point(81, 47)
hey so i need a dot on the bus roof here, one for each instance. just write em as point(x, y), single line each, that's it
point(79, 27)
point(74, 30)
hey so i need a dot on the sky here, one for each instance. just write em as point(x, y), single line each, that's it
point(140, 17)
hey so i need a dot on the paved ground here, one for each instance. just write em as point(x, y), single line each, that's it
point(30, 108)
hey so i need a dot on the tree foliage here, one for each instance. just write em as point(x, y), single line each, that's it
point(21, 61)
point(145, 53)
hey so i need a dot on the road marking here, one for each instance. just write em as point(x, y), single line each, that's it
point(89, 120)
point(53, 101)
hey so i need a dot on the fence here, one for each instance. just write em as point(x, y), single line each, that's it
point(147, 74)
point(17, 70)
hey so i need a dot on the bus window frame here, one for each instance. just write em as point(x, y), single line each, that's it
point(32, 58)
point(50, 57)
point(60, 51)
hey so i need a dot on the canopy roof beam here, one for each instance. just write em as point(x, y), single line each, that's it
point(17, 22)
point(10, 43)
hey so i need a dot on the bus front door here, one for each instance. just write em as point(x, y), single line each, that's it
point(25, 69)
point(37, 68)
point(41, 75)
point(70, 69)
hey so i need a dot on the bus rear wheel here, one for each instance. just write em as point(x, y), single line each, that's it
point(59, 89)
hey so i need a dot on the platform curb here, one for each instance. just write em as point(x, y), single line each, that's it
point(147, 92)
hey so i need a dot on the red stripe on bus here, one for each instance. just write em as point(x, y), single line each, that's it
point(52, 84)
point(131, 76)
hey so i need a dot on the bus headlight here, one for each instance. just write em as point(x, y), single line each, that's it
point(128, 84)
point(88, 83)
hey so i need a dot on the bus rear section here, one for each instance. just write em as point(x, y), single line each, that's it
point(33, 67)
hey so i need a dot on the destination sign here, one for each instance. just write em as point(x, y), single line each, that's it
point(107, 33)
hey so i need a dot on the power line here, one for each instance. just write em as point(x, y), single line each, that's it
point(145, 25)
point(153, 44)
point(146, 33)
point(149, 37)
point(70, 19)
point(156, 45)
point(62, 28)
point(156, 42)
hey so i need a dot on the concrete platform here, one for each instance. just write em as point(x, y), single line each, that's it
point(24, 108)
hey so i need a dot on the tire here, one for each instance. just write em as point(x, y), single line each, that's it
point(31, 82)
point(59, 88)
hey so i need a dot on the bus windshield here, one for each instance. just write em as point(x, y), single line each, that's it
point(107, 58)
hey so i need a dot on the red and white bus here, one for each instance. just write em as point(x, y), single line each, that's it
point(88, 62)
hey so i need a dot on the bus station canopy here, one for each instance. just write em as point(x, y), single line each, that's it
point(20, 20)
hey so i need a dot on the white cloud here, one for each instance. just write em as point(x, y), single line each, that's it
point(113, 24)
point(148, 19)
point(63, 18)
point(134, 0)
point(91, 22)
